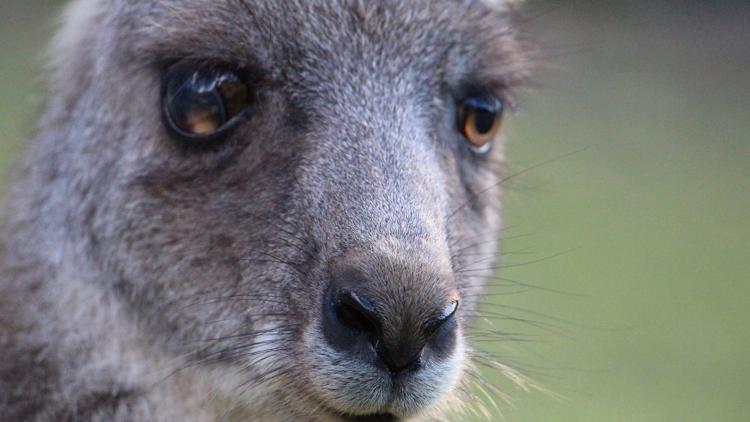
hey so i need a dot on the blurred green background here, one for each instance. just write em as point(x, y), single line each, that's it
point(627, 263)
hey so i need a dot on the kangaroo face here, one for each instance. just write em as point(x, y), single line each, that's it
point(294, 190)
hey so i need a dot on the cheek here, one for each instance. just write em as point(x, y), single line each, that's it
point(166, 252)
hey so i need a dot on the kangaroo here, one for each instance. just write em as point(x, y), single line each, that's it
point(256, 210)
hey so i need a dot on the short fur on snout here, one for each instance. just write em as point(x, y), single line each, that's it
point(144, 279)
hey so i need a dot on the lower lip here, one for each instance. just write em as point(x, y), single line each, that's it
point(379, 417)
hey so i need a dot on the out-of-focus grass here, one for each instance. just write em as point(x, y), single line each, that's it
point(655, 213)
point(24, 30)
point(652, 211)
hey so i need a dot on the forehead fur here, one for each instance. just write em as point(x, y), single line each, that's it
point(453, 36)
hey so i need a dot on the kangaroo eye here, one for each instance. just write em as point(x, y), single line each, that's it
point(201, 104)
point(480, 119)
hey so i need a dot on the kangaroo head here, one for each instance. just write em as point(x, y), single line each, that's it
point(291, 190)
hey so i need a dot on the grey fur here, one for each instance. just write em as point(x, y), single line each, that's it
point(142, 280)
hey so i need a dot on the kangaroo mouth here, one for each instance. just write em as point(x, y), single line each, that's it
point(375, 417)
point(371, 417)
point(379, 415)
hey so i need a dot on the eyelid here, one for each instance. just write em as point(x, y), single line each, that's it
point(506, 96)
point(499, 89)
point(249, 72)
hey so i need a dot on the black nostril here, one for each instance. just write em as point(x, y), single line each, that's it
point(357, 312)
point(441, 319)
point(408, 354)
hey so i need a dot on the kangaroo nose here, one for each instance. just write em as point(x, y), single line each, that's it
point(388, 333)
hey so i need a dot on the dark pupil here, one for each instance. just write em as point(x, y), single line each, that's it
point(194, 102)
point(484, 120)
